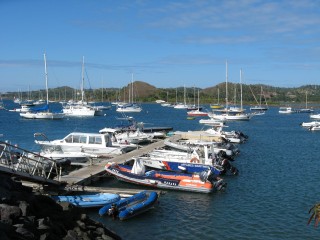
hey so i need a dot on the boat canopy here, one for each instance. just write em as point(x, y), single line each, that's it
point(41, 109)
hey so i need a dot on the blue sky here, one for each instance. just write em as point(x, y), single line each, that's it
point(166, 43)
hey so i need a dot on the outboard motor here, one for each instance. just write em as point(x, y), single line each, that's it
point(224, 140)
point(223, 161)
point(241, 135)
point(218, 183)
point(223, 155)
point(227, 166)
point(204, 175)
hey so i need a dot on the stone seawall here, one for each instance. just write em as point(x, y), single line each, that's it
point(26, 215)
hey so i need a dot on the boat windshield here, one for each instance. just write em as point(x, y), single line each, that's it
point(76, 138)
point(95, 140)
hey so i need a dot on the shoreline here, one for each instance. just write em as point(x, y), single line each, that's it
point(30, 215)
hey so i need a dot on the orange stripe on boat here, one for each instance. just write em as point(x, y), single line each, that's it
point(177, 177)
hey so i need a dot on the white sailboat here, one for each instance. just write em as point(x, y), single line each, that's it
point(197, 112)
point(306, 109)
point(19, 98)
point(229, 114)
point(44, 111)
point(166, 103)
point(217, 105)
point(131, 106)
point(184, 104)
point(81, 108)
point(260, 107)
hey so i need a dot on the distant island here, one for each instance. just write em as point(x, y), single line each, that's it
point(144, 92)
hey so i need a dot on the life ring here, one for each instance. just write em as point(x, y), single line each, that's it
point(195, 160)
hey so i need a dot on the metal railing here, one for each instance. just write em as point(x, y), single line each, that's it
point(28, 165)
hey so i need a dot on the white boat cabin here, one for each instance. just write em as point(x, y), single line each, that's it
point(90, 143)
point(89, 138)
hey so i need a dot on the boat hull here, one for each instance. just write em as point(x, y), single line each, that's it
point(44, 115)
point(79, 111)
point(133, 206)
point(163, 180)
point(178, 166)
point(87, 201)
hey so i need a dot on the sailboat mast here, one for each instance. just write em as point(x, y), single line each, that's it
point(131, 87)
point(260, 96)
point(194, 96)
point(198, 100)
point(227, 85)
point(82, 84)
point(241, 89)
point(184, 95)
point(46, 76)
point(102, 91)
point(176, 95)
point(306, 99)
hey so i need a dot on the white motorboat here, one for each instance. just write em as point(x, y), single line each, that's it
point(315, 116)
point(310, 124)
point(22, 109)
point(191, 162)
point(212, 122)
point(97, 144)
point(155, 158)
point(129, 108)
point(166, 104)
point(213, 147)
point(314, 128)
point(232, 136)
point(214, 133)
point(129, 136)
point(286, 110)
point(258, 108)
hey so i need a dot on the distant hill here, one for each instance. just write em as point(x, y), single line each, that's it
point(144, 92)
point(142, 89)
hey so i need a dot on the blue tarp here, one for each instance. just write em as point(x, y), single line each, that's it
point(41, 109)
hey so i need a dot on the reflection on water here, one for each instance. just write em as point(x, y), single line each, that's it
point(270, 199)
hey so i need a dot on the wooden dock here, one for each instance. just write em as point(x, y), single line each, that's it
point(53, 191)
point(86, 175)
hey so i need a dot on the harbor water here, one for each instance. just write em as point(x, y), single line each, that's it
point(270, 198)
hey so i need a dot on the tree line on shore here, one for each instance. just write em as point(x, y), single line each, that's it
point(143, 92)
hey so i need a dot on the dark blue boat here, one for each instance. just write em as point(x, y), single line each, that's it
point(132, 206)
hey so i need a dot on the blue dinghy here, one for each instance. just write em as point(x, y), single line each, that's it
point(86, 201)
point(132, 206)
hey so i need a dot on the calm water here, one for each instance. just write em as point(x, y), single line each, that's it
point(278, 181)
